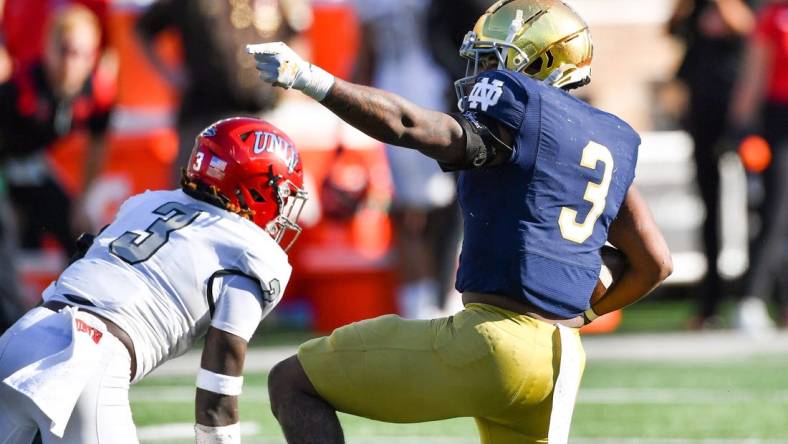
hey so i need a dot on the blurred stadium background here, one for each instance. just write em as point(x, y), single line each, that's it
point(661, 372)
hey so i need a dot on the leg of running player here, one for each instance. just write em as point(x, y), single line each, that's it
point(305, 417)
point(15, 426)
point(473, 364)
point(17, 421)
point(102, 414)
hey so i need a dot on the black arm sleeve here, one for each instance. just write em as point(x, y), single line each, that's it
point(483, 146)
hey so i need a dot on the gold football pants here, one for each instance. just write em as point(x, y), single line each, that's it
point(488, 363)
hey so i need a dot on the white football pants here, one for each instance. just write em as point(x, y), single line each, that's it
point(102, 413)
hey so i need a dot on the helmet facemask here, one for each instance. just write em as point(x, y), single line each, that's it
point(558, 58)
point(475, 50)
point(290, 201)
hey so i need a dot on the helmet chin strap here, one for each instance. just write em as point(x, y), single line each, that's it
point(514, 27)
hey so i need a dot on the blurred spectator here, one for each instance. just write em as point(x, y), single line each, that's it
point(54, 98)
point(763, 93)
point(5, 64)
point(7, 273)
point(24, 26)
point(395, 57)
point(11, 307)
point(5, 57)
point(714, 32)
point(447, 23)
point(219, 79)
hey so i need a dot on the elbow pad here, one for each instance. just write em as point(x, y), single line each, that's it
point(240, 306)
point(482, 146)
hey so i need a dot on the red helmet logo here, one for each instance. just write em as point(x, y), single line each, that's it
point(255, 170)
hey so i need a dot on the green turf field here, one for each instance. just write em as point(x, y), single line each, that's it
point(620, 402)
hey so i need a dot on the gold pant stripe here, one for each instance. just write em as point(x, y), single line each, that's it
point(566, 386)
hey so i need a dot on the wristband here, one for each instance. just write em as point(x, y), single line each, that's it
point(589, 316)
point(221, 384)
point(319, 83)
point(230, 434)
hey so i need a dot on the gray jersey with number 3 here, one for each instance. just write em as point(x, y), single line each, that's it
point(150, 270)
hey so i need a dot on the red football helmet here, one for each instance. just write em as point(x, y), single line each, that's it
point(251, 165)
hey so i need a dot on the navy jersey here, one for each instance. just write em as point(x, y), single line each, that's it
point(534, 226)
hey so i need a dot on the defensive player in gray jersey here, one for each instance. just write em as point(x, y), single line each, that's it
point(206, 260)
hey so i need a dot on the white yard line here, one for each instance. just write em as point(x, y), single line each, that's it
point(184, 394)
point(677, 441)
point(679, 396)
point(257, 360)
point(683, 346)
point(587, 396)
point(175, 431)
point(183, 432)
point(657, 347)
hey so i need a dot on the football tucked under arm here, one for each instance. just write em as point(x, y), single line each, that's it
point(636, 235)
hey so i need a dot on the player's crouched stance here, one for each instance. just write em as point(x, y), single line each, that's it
point(173, 266)
point(545, 181)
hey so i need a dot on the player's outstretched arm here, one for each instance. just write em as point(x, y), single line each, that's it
point(396, 121)
point(635, 233)
point(219, 383)
point(382, 115)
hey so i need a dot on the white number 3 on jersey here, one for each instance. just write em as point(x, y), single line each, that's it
point(596, 193)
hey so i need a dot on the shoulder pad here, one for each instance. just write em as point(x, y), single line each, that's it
point(498, 95)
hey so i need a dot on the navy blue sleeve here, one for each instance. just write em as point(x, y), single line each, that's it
point(498, 96)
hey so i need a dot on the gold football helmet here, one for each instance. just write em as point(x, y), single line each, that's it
point(544, 39)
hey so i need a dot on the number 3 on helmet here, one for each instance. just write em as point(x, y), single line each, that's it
point(252, 168)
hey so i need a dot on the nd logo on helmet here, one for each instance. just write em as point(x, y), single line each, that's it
point(485, 94)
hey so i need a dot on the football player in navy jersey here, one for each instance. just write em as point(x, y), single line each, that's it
point(545, 181)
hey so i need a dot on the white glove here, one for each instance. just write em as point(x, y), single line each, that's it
point(281, 66)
